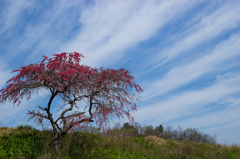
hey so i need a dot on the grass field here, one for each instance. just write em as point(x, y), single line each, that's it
point(26, 142)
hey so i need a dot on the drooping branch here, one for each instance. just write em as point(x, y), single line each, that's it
point(38, 116)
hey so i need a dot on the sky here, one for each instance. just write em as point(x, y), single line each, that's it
point(184, 54)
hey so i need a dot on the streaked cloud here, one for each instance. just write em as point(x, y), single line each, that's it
point(181, 75)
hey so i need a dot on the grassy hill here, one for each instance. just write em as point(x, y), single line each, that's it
point(26, 142)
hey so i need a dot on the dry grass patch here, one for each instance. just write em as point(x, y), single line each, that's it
point(5, 130)
point(14, 131)
point(155, 140)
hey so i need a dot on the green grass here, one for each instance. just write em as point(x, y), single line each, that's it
point(26, 142)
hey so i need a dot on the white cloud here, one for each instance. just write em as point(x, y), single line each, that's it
point(44, 36)
point(187, 103)
point(210, 26)
point(5, 73)
point(112, 27)
point(181, 75)
point(231, 101)
point(11, 13)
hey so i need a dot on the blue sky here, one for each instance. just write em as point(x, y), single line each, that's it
point(184, 54)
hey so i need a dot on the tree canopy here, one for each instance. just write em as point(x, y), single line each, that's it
point(107, 91)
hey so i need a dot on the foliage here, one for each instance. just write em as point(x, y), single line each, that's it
point(159, 129)
point(34, 144)
point(24, 127)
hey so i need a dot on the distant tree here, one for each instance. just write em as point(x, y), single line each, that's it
point(137, 127)
point(167, 134)
point(127, 126)
point(180, 133)
point(118, 129)
point(147, 131)
point(127, 129)
point(106, 90)
point(159, 130)
point(190, 134)
point(90, 129)
point(117, 126)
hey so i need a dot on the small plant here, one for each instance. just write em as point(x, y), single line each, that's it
point(24, 127)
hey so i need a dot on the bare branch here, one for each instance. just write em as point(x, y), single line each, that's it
point(42, 108)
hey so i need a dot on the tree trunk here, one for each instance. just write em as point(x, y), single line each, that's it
point(57, 142)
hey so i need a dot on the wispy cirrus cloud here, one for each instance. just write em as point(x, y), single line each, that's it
point(37, 28)
point(5, 73)
point(181, 75)
point(184, 103)
point(209, 27)
point(10, 15)
point(106, 38)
